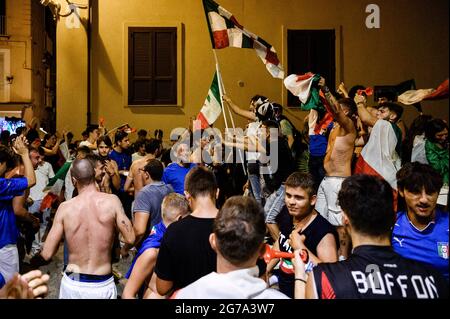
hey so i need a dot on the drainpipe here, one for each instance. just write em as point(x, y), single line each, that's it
point(89, 44)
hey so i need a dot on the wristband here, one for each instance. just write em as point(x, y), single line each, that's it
point(302, 280)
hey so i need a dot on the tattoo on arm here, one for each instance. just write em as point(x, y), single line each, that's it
point(126, 225)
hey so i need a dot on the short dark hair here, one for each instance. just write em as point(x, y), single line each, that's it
point(303, 180)
point(239, 229)
point(105, 139)
point(155, 169)
point(350, 104)
point(201, 182)
point(119, 136)
point(416, 176)
point(434, 126)
point(32, 135)
point(6, 155)
point(83, 149)
point(368, 202)
point(152, 145)
point(393, 107)
point(142, 133)
point(138, 144)
point(91, 128)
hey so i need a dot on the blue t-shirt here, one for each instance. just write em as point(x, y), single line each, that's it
point(123, 161)
point(429, 246)
point(149, 199)
point(174, 175)
point(152, 241)
point(9, 188)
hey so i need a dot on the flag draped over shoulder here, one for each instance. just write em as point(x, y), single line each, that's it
point(415, 96)
point(225, 31)
point(212, 108)
point(380, 156)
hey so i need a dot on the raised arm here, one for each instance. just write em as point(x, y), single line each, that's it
point(20, 147)
point(236, 109)
point(335, 108)
point(366, 118)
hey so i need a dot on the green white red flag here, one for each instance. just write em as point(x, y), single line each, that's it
point(212, 108)
point(225, 31)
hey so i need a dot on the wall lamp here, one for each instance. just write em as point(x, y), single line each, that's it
point(9, 79)
point(56, 8)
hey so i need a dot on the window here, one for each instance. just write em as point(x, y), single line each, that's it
point(152, 66)
point(311, 51)
point(2, 17)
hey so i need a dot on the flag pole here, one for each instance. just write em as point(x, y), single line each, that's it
point(219, 80)
point(222, 92)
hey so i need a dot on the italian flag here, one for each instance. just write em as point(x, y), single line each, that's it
point(415, 96)
point(55, 186)
point(225, 31)
point(212, 107)
point(380, 156)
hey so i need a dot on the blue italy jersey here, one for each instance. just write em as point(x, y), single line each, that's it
point(153, 241)
point(429, 245)
point(9, 188)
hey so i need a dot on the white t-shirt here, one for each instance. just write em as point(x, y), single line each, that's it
point(43, 173)
point(238, 284)
point(252, 130)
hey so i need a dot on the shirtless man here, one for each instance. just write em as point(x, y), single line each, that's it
point(88, 223)
point(337, 162)
point(136, 175)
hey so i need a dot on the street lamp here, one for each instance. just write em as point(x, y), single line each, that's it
point(56, 8)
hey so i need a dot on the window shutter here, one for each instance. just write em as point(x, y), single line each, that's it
point(152, 72)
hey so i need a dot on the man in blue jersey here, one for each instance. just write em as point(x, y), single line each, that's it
point(9, 188)
point(421, 232)
point(373, 270)
point(176, 172)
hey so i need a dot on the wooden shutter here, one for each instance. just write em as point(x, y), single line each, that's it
point(152, 69)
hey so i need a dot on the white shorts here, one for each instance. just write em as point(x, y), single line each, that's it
point(327, 199)
point(9, 261)
point(73, 289)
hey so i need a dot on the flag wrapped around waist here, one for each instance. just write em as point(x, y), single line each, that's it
point(225, 31)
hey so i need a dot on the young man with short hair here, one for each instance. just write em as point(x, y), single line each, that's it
point(421, 231)
point(238, 240)
point(302, 227)
point(373, 270)
point(185, 254)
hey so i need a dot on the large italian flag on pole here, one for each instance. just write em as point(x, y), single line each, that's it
point(226, 31)
point(212, 107)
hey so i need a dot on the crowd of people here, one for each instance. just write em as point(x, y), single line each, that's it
point(356, 190)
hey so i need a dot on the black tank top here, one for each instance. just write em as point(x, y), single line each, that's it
point(377, 272)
